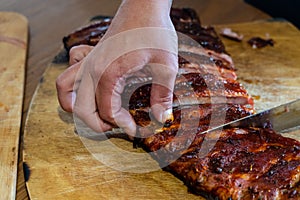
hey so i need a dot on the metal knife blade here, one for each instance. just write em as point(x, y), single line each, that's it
point(280, 118)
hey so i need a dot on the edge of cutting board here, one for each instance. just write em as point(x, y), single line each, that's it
point(13, 44)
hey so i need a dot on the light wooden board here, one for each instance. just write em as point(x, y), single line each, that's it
point(271, 74)
point(62, 168)
point(13, 48)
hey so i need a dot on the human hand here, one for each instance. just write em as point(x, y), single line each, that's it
point(136, 42)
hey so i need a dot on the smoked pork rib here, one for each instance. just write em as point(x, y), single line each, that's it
point(239, 163)
point(195, 88)
point(244, 163)
point(189, 118)
point(252, 163)
point(185, 21)
point(224, 68)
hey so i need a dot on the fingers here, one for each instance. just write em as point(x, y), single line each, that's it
point(85, 105)
point(111, 85)
point(65, 82)
point(164, 75)
point(91, 121)
point(161, 102)
point(109, 101)
point(110, 88)
point(76, 93)
point(77, 53)
point(65, 85)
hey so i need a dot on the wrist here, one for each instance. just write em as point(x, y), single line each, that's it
point(169, 1)
point(152, 4)
point(143, 13)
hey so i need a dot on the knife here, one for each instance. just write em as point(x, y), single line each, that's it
point(281, 119)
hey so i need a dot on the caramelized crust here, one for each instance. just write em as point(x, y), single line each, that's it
point(251, 163)
point(185, 20)
point(89, 35)
point(193, 118)
point(193, 88)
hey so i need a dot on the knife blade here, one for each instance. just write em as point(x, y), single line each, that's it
point(279, 118)
point(282, 117)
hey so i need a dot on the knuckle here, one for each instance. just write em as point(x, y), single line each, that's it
point(74, 50)
point(164, 100)
point(162, 96)
point(67, 107)
point(106, 115)
point(77, 53)
point(60, 83)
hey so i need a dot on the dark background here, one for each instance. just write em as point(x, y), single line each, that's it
point(287, 9)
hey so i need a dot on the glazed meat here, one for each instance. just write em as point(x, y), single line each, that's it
point(195, 88)
point(243, 163)
point(189, 117)
point(89, 35)
point(185, 21)
point(253, 163)
point(238, 163)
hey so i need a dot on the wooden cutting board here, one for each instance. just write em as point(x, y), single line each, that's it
point(13, 48)
point(62, 168)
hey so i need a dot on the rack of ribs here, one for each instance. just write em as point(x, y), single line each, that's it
point(238, 163)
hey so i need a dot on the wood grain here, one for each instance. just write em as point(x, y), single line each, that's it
point(270, 74)
point(62, 168)
point(13, 48)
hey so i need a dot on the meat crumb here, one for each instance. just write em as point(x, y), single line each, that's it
point(257, 42)
point(228, 33)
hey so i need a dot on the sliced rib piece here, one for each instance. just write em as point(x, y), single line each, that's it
point(215, 66)
point(189, 118)
point(194, 88)
point(89, 35)
point(185, 20)
point(252, 163)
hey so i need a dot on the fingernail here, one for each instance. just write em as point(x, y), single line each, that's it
point(73, 99)
point(168, 115)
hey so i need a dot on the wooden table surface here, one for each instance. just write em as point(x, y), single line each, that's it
point(49, 21)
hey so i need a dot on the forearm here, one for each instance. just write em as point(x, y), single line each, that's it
point(143, 13)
